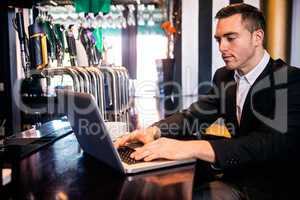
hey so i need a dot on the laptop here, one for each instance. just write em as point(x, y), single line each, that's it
point(95, 140)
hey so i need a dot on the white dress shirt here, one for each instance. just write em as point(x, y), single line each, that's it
point(245, 82)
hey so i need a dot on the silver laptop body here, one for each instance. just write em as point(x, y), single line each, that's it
point(93, 136)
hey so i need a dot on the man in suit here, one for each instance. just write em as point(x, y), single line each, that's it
point(258, 96)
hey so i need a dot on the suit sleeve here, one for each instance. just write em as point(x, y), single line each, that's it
point(265, 144)
point(200, 114)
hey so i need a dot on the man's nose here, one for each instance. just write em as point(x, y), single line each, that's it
point(223, 46)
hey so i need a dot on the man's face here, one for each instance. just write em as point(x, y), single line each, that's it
point(236, 43)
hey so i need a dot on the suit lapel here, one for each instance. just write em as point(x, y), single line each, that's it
point(247, 115)
point(231, 103)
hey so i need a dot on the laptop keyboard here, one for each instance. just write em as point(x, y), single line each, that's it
point(125, 152)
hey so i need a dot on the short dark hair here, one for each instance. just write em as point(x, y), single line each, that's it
point(253, 16)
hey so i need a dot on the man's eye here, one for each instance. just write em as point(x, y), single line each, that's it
point(230, 38)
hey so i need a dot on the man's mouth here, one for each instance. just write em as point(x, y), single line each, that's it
point(227, 58)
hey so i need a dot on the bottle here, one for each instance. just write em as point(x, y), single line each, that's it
point(37, 46)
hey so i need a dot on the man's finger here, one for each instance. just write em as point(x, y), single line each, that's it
point(141, 155)
point(151, 157)
point(122, 140)
point(116, 144)
point(137, 150)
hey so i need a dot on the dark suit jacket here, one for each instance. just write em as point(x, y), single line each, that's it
point(270, 123)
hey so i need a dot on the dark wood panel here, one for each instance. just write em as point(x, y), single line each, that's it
point(62, 171)
point(8, 71)
point(205, 43)
point(129, 48)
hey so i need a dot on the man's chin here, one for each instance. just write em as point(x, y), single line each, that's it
point(230, 66)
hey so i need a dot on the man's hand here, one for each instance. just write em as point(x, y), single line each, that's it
point(144, 135)
point(164, 148)
point(175, 150)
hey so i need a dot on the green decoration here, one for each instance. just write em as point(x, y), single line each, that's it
point(98, 37)
point(59, 34)
point(92, 6)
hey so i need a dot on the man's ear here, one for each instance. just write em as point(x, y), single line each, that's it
point(259, 37)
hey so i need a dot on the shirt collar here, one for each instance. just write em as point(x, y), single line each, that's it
point(251, 76)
